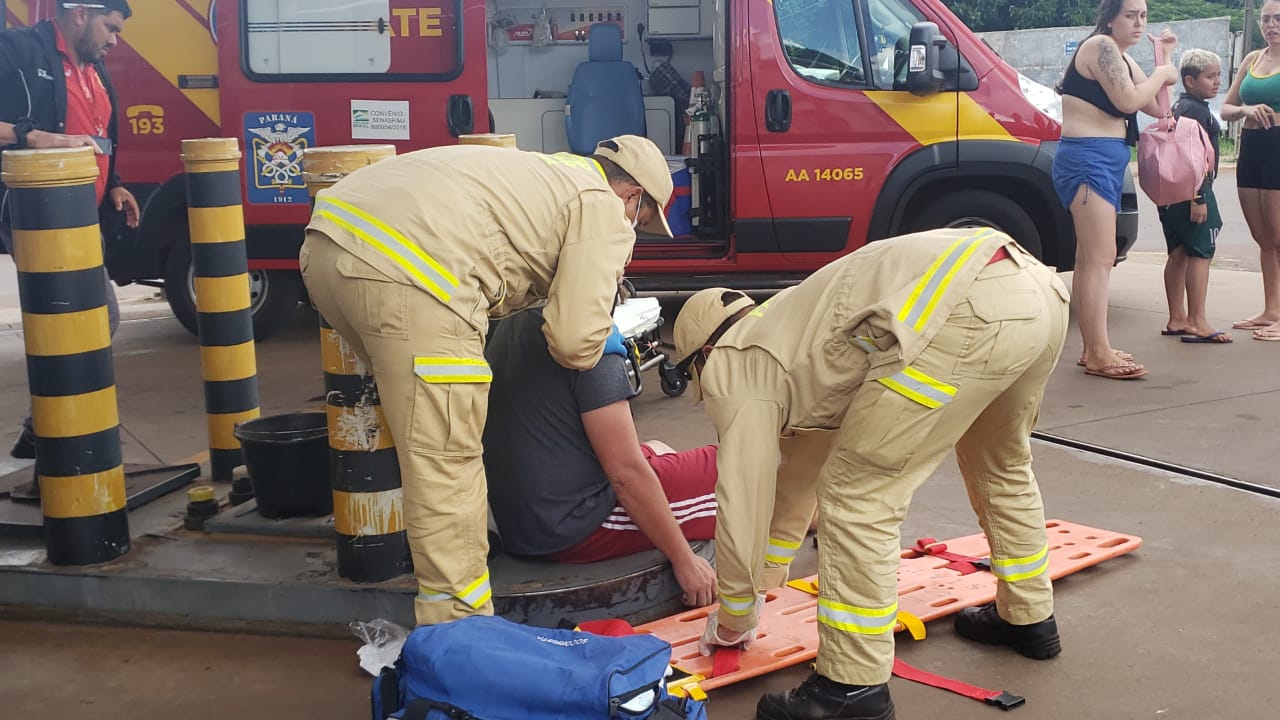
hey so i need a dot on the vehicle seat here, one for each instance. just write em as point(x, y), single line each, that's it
point(605, 99)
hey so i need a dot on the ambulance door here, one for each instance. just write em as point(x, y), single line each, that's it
point(836, 117)
point(306, 73)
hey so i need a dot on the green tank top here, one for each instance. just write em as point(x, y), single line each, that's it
point(1261, 89)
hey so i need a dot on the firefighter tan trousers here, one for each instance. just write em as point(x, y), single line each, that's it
point(977, 387)
point(433, 383)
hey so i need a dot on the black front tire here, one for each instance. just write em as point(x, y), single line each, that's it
point(980, 208)
point(274, 298)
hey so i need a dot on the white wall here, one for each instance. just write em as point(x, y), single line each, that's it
point(521, 69)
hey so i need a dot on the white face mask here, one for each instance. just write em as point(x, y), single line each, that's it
point(635, 221)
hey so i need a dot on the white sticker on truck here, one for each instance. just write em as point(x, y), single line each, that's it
point(380, 119)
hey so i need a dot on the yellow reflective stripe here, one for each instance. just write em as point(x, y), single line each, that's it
point(864, 344)
point(452, 370)
point(781, 551)
point(854, 619)
point(476, 594)
point(737, 606)
point(1015, 569)
point(915, 385)
point(396, 247)
point(933, 285)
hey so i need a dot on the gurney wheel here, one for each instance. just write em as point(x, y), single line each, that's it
point(673, 382)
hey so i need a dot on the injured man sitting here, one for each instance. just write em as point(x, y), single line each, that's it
point(569, 479)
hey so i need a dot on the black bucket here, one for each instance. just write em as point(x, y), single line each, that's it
point(287, 457)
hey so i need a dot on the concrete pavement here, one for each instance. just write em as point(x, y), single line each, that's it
point(1182, 628)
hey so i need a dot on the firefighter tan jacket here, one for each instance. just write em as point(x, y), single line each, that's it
point(491, 231)
point(793, 363)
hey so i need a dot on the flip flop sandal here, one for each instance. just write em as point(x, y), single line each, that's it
point(1119, 353)
point(1108, 371)
point(1217, 338)
point(1265, 336)
point(1250, 325)
point(1167, 331)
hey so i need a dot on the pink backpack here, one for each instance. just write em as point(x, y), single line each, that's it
point(1174, 154)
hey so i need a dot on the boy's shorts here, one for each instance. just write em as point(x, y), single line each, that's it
point(1198, 240)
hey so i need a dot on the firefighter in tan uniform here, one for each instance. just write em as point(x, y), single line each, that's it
point(846, 392)
point(410, 257)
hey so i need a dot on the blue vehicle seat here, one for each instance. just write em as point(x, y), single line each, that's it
point(605, 99)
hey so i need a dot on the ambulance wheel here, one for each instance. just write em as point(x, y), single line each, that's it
point(980, 208)
point(672, 381)
point(273, 294)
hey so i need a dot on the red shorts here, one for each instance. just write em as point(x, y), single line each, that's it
point(689, 480)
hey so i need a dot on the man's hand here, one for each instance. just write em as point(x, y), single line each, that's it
point(1199, 213)
point(697, 579)
point(713, 638)
point(41, 140)
point(123, 201)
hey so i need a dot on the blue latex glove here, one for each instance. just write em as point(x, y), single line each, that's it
point(615, 344)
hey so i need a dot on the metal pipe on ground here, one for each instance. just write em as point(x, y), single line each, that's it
point(368, 505)
point(58, 254)
point(224, 317)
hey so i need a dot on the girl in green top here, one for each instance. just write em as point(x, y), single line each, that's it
point(1255, 98)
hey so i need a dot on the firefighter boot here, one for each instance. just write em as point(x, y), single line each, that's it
point(818, 698)
point(1038, 641)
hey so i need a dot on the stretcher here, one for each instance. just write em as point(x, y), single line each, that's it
point(639, 321)
point(932, 583)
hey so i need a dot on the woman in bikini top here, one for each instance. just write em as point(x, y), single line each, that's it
point(1076, 85)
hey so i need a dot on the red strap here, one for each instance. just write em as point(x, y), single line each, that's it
point(612, 627)
point(725, 660)
point(999, 698)
point(963, 564)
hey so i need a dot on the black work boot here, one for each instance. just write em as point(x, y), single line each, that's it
point(1038, 641)
point(24, 448)
point(818, 698)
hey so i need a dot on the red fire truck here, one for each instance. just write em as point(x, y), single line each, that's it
point(840, 121)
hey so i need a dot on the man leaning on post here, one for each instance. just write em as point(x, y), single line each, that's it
point(55, 93)
point(847, 391)
point(410, 257)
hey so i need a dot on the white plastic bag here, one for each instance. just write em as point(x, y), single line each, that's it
point(382, 642)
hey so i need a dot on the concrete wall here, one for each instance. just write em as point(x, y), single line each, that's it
point(1043, 54)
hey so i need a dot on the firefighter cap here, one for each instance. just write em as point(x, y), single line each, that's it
point(642, 160)
point(702, 321)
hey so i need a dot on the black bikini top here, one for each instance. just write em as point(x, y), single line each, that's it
point(1091, 91)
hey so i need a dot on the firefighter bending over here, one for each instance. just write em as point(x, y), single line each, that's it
point(869, 372)
point(408, 259)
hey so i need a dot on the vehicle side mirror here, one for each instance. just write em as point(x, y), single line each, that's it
point(924, 71)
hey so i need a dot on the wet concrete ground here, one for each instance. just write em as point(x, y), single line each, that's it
point(1183, 628)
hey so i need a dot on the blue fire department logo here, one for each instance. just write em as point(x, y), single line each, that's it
point(276, 141)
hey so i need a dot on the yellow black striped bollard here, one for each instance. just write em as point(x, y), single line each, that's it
point(58, 253)
point(224, 317)
point(368, 507)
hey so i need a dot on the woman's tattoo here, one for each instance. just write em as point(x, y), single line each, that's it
point(1112, 64)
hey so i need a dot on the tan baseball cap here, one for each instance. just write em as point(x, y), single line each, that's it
point(643, 161)
point(699, 319)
